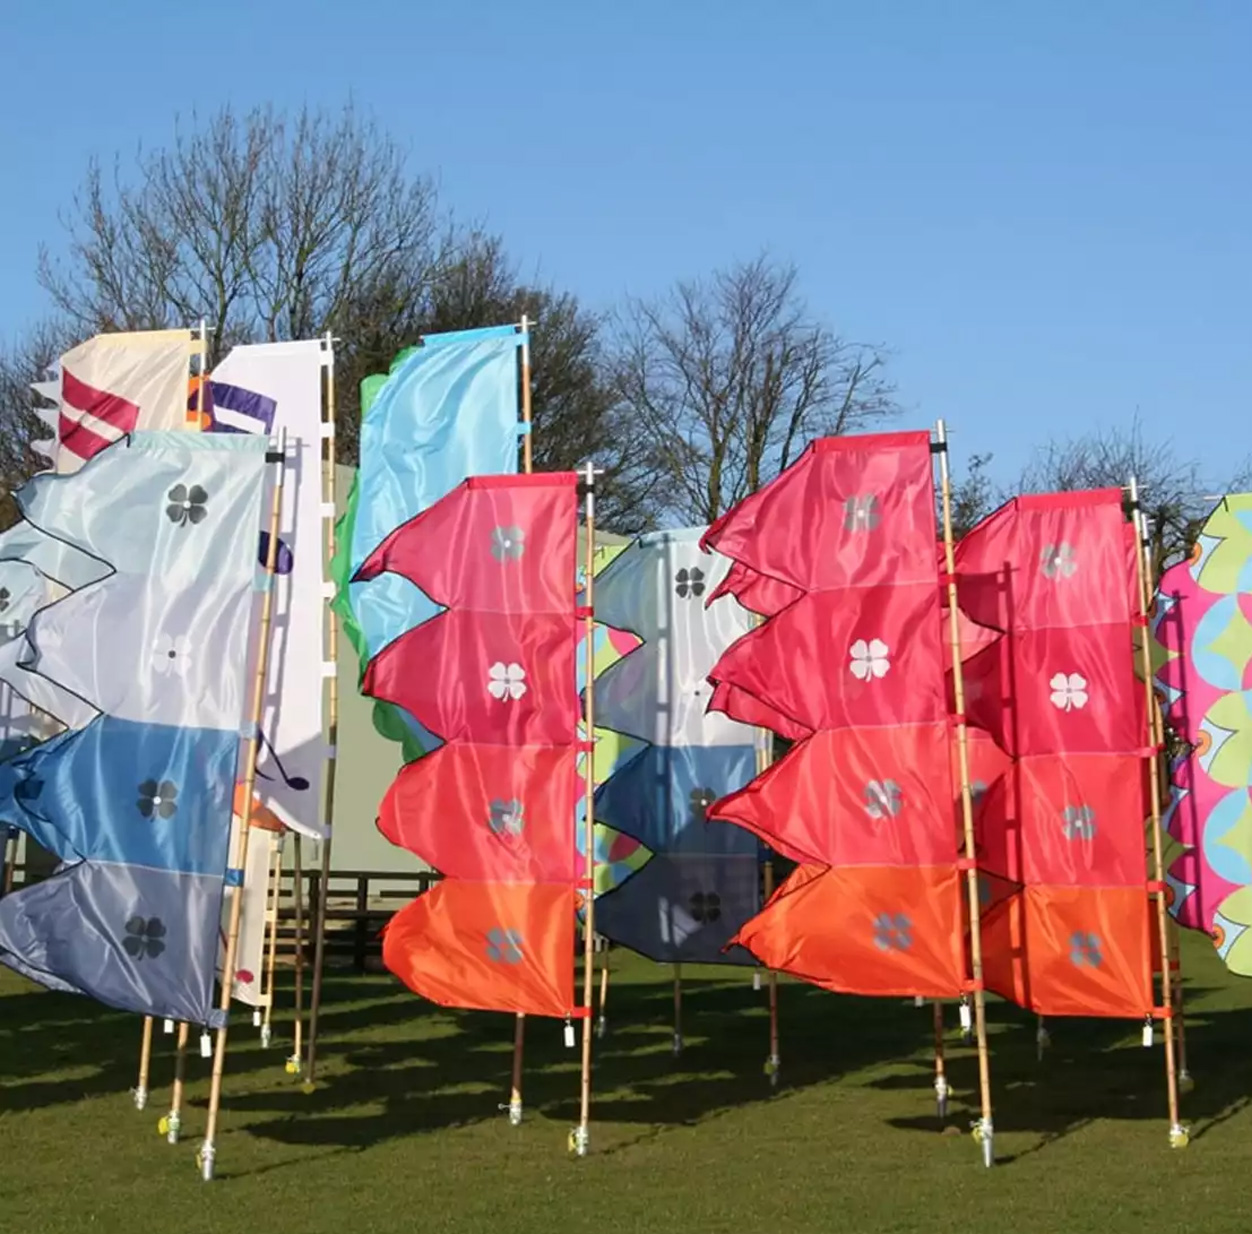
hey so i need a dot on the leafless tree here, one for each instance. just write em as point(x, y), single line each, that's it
point(1175, 495)
point(727, 378)
point(23, 360)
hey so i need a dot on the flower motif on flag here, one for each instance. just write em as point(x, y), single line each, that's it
point(508, 543)
point(507, 682)
point(1057, 561)
point(145, 936)
point(893, 932)
point(504, 946)
point(187, 505)
point(1069, 691)
point(507, 817)
point(700, 800)
point(883, 799)
point(689, 584)
point(706, 907)
point(1078, 822)
point(5, 597)
point(1084, 950)
point(159, 798)
point(861, 513)
point(869, 659)
point(171, 654)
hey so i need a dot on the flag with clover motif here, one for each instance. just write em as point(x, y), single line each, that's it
point(494, 677)
point(855, 660)
point(135, 798)
point(1054, 577)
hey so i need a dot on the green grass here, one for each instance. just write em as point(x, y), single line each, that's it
point(403, 1132)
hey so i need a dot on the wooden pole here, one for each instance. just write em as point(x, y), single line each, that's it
point(296, 1061)
point(331, 653)
point(208, 1150)
point(984, 1132)
point(678, 1010)
point(145, 1064)
point(602, 1021)
point(1178, 1134)
point(172, 1123)
point(941, 1080)
point(272, 901)
point(581, 1136)
point(773, 1064)
point(528, 462)
point(11, 841)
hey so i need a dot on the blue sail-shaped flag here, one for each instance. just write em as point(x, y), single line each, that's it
point(137, 801)
point(702, 882)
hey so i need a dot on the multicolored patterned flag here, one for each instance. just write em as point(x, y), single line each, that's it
point(137, 801)
point(864, 803)
point(702, 882)
point(1056, 576)
point(494, 678)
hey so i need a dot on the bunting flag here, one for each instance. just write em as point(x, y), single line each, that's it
point(1056, 577)
point(495, 679)
point(864, 801)
point(701, 883)
point(448, 410)
point(115, 384)
point(136, 803)
point(1202, 631)
point(260, 389)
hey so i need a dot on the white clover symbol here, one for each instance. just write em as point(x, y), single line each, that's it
point(1069, 691)
point(1078, 822)
point(1057, 560)
point(171, 654)
point(869, 659)
point(506, 681)
point(508, 543)
point(882, 799)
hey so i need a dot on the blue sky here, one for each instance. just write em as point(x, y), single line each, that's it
point(1041, 208)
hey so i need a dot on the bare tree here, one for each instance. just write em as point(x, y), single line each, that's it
point(973, 496)
point(22, 361)
point(726, 380)
point(1174, 494)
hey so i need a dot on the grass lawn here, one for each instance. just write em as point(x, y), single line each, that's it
point(403, 1131)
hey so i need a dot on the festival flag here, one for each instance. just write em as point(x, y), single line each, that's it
point(866, 801)
point(702, 883)
point(137, 803)
point(448, 410)
point(1055, 575)
point(115, 384)
point(494, 808)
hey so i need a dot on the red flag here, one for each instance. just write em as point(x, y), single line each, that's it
point(485, 677)
point(495, 544)
point(488, 946)
point(747, 709)
point(757, 592)
point(491, 813)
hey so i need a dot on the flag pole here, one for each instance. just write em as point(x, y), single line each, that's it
point(208, 1150)
point(273, 900)
point(172, 1124)
point(602, 1021)
point(296, 1059)
point(984, 1130)
point(773, 1064)
point(678, 1009)
point(941, 1080)
point(1178, 1134)
point(581, 1135)
point(528, 463)
point(145, 1048)
point(331, 652)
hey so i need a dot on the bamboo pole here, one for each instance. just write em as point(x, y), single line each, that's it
point(172, 1124)
point(296, 1060)
point(11, 841)
point(678, 1010)
point(515, 1106)
point(208, 1150)
point(984, 1131)
point(145, 1048)
point(773, 1064)
point(602, 1021)
point(581, 1135)
point(1178, 1134)
point(273, 896)
point(941, 1080)
point(331, 652)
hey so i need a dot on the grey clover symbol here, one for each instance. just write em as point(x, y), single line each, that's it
point(893, 932)
point(883, 799)
point(1079, 822)
point(706, 906)
point(159, 797)
point(861, 513)
point(186, 505)
point(1084, 949)
point(700, 800)
point(504, 946)
point(689, 584)
point(507, 817)
point(508, 543)
point(144, 937)
point(5, 597)
point(1058, 561)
